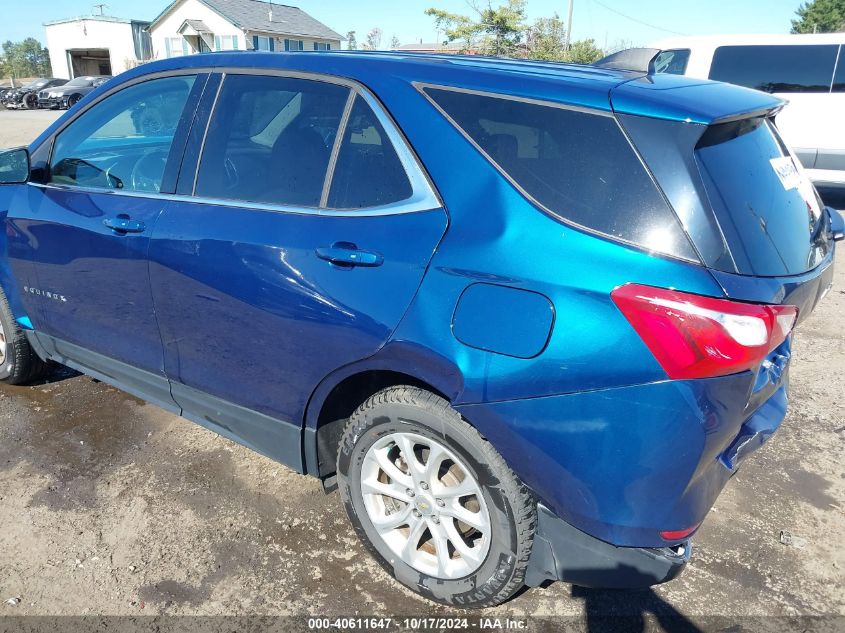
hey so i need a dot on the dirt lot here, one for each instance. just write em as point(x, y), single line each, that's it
point(112, 506)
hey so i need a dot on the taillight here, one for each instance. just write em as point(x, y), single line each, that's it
point(698, 337)
point(678, 535)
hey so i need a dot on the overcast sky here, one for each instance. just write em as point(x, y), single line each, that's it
point(607, 21)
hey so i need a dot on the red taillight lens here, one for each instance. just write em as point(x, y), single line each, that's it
point(677, 535)
point(698, 337)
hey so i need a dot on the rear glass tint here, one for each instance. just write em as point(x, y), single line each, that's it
point(789, 68)
point(767, 209)
point(576, 165)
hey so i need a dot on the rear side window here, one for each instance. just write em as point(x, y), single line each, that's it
point(768, 210)
point(578, 166)
point(672, 62)
point(368, 172)
point(789, 68)
point(270, 140)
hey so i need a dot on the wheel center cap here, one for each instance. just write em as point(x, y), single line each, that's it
point(425, 505)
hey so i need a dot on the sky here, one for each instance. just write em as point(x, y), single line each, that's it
point(611, 23)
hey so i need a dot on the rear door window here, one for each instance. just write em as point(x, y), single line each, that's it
point(270, 140)
point(576, 165)
point(839, 76)
point(767, 209)
point(368, 172)
point(787, 68)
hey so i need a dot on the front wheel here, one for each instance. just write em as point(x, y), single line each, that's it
point(19, 364)
point(433, 500)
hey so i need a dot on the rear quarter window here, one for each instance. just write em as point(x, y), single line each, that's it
point(576, 165)
point(787, 68)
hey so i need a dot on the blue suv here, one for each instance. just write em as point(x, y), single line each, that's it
point(529, 318)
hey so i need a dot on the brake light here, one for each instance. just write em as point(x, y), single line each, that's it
point(692, 336)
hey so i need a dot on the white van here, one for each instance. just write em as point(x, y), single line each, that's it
point(806, 70)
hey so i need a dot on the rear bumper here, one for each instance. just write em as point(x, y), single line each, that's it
point(562, 552)
point(625, 464)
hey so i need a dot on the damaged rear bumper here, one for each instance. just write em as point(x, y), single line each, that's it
point(562, 552)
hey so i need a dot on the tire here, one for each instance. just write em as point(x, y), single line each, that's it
point(484, 564)
point(19, 364)
point(73, 100)
point(30, 101)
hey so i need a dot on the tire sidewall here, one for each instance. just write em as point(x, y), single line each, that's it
point(499, 566)
point(7, 368)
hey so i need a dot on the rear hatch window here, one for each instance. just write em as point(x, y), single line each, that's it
point(766, 207)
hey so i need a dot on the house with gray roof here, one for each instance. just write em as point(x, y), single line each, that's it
point(197, 26)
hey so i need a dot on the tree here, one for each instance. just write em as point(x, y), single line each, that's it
point(820, 16)
point(584, 52)
point(373, 40)
point(351, 42)
point(546, 39)
point(25, 59)
point(394, 43)
point(493, 31)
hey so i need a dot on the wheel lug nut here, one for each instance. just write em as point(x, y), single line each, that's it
point(441, 503)
point(409, 492)
point(423, 485)
point(417, 513)
point(436, 520)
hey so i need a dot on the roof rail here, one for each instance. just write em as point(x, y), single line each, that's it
point(639, 59)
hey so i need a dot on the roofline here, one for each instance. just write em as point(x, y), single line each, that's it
point(173, 4)
point(96, 18)
point(237, 24)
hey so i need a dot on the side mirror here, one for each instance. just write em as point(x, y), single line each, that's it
point(14, 166)
point(837, 225)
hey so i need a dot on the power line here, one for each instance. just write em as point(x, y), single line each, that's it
point(638, 21)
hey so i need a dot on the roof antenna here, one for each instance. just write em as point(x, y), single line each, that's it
point(101, 7)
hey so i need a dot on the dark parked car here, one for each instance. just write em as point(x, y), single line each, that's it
point(69, 94)
point(26, 97)
point(529, 318)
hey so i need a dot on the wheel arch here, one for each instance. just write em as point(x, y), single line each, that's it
point(343, 391)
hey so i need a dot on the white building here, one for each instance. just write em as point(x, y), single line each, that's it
point(194, 26)
point(96, 45)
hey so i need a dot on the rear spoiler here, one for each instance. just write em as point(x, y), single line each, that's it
point(637, 59)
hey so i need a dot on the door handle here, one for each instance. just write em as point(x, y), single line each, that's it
point(124, 224)
point(347, 255)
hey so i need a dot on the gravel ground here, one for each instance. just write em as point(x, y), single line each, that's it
point(112, 506)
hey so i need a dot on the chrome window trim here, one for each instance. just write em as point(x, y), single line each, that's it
point(421, 86)
point(424, 196)
point(409, 205)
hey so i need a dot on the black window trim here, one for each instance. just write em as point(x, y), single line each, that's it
point(424, 195)
point(421, 88)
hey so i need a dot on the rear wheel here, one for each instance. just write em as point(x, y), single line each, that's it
point(30, 101)
point(19, 363)
point(433, 501)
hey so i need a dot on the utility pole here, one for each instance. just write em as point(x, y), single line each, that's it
point(100, 7)
point(568, 27)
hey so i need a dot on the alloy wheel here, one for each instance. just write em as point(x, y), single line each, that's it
point(426, 505)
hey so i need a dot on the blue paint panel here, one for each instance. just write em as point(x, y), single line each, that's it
point(503, 320)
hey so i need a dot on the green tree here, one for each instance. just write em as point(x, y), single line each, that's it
point(584, 52)
point(546, 39)
point(820, 16)
point(351, 42)
point(394, 43)
point(25, 59)
point(492, 31)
